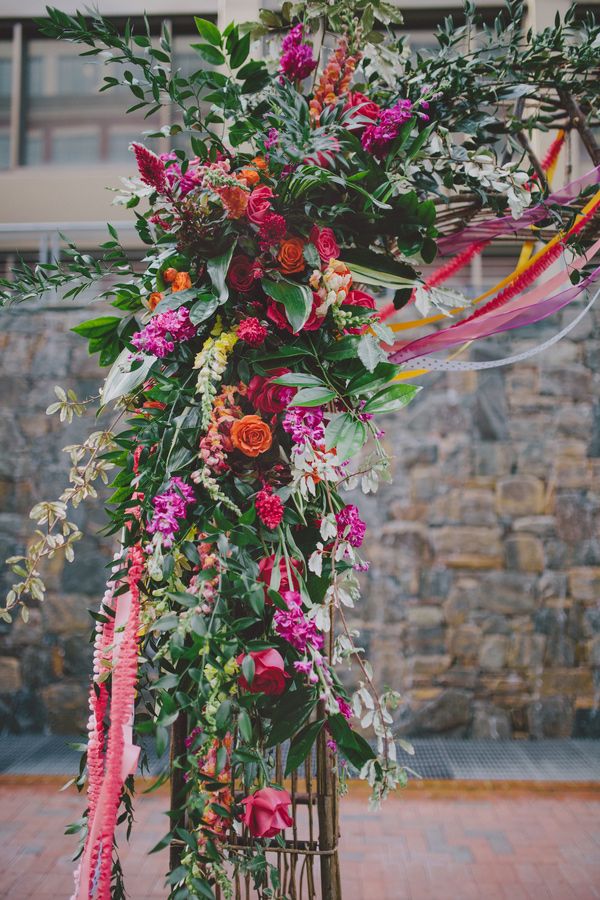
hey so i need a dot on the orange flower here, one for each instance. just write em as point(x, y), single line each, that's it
point(170, 275)
point(291, 256)
point(235, 201)
point(249, 176)
point(260, 163)
point(154, 299)
point(251, 435)
point(181, 282)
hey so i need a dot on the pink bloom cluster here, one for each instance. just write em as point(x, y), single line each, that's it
point(350, 526)
point(377, 138)
point(153, 338)
point(252, 332)
point(187, 181)
point(297, 61)
point(272, 230)
point(293, 626)
point(169, 508)
point(304, 423)
point(269, 508)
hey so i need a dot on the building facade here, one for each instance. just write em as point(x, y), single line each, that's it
point(482, 604)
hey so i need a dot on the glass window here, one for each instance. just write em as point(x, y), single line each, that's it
point(5, 91)
point(75, 147)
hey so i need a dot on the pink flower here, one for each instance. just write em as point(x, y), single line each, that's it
point(259, 204)
point(344, 707)
point(170, 508)
point(325, 242)
point(304, 423)
point(350, 526)
point(269, 508)
point(270, 676)
point(266, 812)
point(359, 298)
point(151, 168)
point(252, 332)
point(297, 61)
point(293, 626)
point(153, 338)
point(265, 573)
point(378, 138)
point(360, 106)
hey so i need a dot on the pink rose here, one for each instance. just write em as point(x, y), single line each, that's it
point(241, 274)
point(266, 812)
point(267, 397)
point(269, 673)
point(276, 313)
point(362, 106)
point(259, 204)
point(325, 242)
point(358, 298)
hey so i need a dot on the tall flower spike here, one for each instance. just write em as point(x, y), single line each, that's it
point(151, 168)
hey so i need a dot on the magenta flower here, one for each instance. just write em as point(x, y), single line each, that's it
point(170, 508)
point(151, 168)
point(293, 626)
point(350, 526)
point(163, 331)
point(378, 138)
point(304, 424)
point(297, 61)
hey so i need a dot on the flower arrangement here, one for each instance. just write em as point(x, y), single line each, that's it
point(248, 365)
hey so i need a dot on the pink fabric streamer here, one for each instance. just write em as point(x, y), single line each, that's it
point(490, 228)
point(531, 307)
point(115, 649)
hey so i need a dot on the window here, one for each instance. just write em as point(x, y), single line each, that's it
point(5, 91)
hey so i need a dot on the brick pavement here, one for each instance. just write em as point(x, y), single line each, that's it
point(456, 842)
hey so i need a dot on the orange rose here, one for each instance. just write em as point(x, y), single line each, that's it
point(251, 435)
point(154, 299)
point(291, 256)
point(181, 282)
point(249, 176)
point(260, 163)
point(170, 275)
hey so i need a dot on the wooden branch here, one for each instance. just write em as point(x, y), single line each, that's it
point(579, 122)
point(178, 736)
point(524, 142)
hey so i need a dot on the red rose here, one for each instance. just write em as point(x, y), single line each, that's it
point(265, 572)
point(269, 673)
point(362, 106)
point(325, 242)
point(240, 274)
point(266, 396)
point(358, 298)
point(276, 313)
point(259, 204)
point(266, 812)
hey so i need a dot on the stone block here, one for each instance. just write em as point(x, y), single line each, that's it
point(10, 675)
point(584, 583)
point(524, 553)
point(541, 526)
point(526, 651)
point(449, 713)
point(520, 495)
point(491, 723)
point(467, 547)
point(426, 667)
point(573, 382)
point(66, 706)
point(551, 717)
point(493, 651)
point(508, 593)
point(464, 642)
point(66, 614)
point(569, 682)
point(425, 616)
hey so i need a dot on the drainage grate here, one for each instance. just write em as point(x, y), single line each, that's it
point(551, 760)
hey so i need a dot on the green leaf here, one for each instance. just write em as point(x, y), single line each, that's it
point(367, 382)
point(346, 348)
point(217, 269)
point(203, 309)
point(245, 725)
point(378, 269)
point(370, 352)
point(392, 398)
point(290, 714)
point(248, 668)
point(208, 30)
point(97, 327)
point(353, 746)
point(240, 52)
point(296, 298)
point(313, 396)
point(210, 54)
point(122, 378)
point(299, 379)
point(223, 715)
point(301, 746)
point(347, 434)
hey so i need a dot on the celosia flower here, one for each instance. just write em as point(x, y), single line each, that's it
point(163, 331)
point(269, 508)
point(151, 168)
point(252, 331)
point(297, 61)
point(350, 526)
point(272, 230)
point(170, 508)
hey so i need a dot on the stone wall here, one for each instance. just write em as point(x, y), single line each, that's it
point(482, 601)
